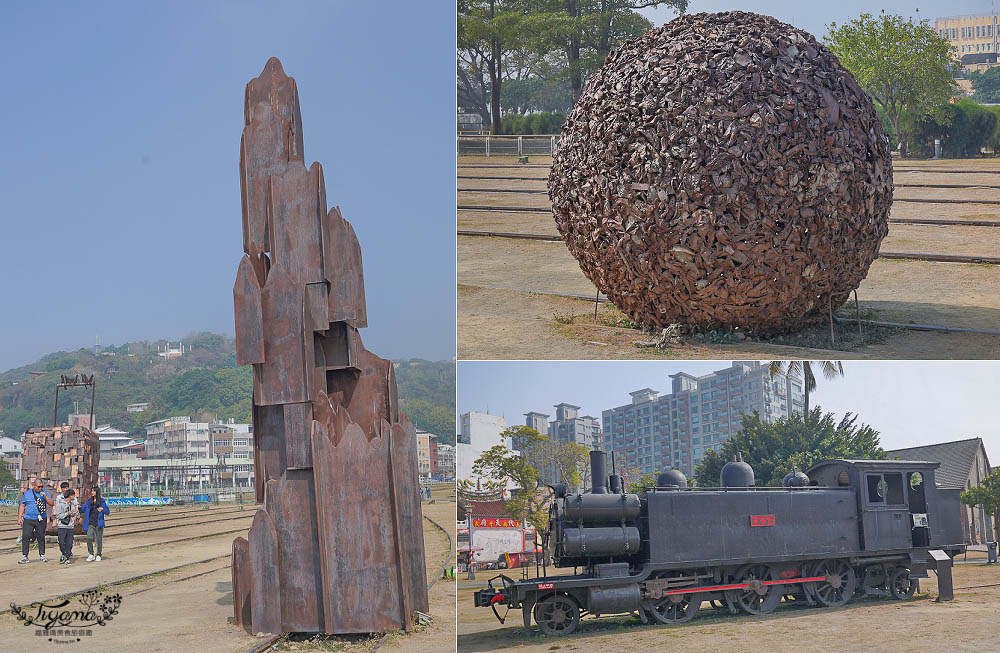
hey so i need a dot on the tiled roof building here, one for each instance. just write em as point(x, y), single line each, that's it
point(964, 465)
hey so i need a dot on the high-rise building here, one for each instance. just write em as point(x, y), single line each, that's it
point(568, 426)
point(653, 433)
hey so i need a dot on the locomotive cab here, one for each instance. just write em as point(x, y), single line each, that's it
point(899, 503)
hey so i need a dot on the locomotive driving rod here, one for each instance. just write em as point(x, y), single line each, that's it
point(740, 586)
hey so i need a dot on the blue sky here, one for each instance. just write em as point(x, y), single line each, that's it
point(119, 165)
point(815, 16)
point(909, 402)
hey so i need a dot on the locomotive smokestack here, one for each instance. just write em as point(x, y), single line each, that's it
point(599, 472)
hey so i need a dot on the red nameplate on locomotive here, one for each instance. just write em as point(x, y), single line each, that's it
point(546, 586)
point(762, 520)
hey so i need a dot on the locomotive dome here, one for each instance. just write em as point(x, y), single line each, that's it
point(795, 479)
point(672, 478)
point(736, 473)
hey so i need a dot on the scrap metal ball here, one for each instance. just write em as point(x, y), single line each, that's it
point(723, 171)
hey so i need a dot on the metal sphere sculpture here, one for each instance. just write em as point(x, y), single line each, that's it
point(723, 171)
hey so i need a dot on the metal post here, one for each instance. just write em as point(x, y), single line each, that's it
point(487, 145)
point(941, 563)
point(520, 145)
point(552, 145)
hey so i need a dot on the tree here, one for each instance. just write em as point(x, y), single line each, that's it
point(901, 63)
point(789, 444)
point(986, 495)
point(986, 85)
point(530, 502)
point(586, 31)
point(488, 32)
point(642, 482)
point(830, 370)
point(6, 476)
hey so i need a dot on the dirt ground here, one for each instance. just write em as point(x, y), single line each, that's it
point(187, 608)
point(500, 316)
point(867, 625)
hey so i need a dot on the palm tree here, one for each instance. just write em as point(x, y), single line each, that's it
point(829, 369)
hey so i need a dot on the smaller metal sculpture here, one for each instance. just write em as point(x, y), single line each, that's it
point(63, 453)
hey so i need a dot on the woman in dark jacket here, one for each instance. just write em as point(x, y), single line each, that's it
point(93, 511)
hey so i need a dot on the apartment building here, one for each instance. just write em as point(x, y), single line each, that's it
point(426, 452)
point(568, 426)
point(231, 440)
point(178, 438)
point(653, 433)
point(446, 460)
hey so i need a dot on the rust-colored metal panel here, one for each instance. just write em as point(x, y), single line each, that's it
point(265, 584)
point(241, 583)
point(278, 91)
point(298, 425)
point(283, 376)
point(270, 452)
point(344, 271)
point(294, 499)
point(357, 542)
point(249, 323)
point(365, 393)
point(295, 222)
point(317, 307)
point(264, 151)
point(406, 496)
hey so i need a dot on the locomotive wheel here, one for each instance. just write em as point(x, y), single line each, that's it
point(557, 615)
point(901, 585)
point(673, 609)
point(758, 598)
point(838, 585)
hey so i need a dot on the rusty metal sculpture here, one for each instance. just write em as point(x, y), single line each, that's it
point(338, 545)
point(69, 453)
point(723, 171)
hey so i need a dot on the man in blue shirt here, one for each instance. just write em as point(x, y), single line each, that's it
point(32, 516)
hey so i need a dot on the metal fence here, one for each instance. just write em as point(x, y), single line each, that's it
point(489, 145)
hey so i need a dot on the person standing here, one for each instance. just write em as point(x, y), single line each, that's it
point(32, 515)
point(93, 510)
point(67, 508)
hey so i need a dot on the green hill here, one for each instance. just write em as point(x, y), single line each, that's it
point(205, 383)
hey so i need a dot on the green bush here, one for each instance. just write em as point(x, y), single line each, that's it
point(532, 123)
point(964, 128)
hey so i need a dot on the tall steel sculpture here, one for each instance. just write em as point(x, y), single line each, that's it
point(337, 546)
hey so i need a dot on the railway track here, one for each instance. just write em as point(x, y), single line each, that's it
point(190, 538)
point(50, 539)
point(15, 530)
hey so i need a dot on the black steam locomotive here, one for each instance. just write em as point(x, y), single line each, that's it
point(843, 527)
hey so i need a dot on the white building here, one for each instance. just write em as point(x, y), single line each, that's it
point(10, 455)
point(110, 438)
point(446, 460)
point(479, 432)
